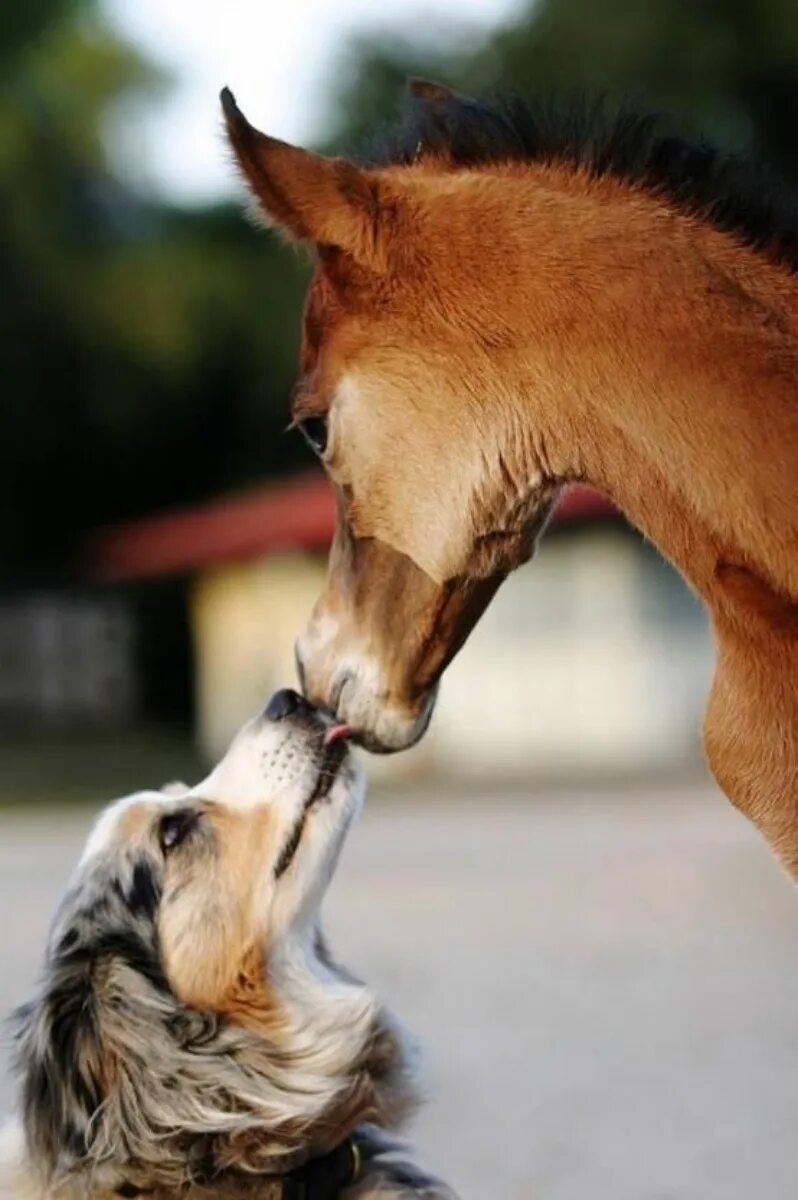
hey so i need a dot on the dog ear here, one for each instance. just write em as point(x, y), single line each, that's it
point(102, 949)
point(102, 1053)
point(64, 1067)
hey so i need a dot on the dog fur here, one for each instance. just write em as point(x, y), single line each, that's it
point(192, 1035)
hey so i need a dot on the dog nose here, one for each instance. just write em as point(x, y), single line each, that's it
point(284, 703)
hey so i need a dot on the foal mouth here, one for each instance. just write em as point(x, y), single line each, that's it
point(396, 735)
point(331, 758)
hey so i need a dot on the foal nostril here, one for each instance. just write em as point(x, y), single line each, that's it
point(283, 704)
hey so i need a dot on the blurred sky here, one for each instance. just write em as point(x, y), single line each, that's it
point(276, 55)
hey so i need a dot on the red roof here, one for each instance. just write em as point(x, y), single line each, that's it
point(296, 514)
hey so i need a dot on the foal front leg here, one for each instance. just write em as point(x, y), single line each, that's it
point(751, 725)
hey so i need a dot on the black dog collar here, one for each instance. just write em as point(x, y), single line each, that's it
point(324, 1178)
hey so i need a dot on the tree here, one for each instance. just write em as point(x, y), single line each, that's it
point(147, 352)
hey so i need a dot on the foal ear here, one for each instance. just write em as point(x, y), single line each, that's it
point(311, 198)
point(64, 1068)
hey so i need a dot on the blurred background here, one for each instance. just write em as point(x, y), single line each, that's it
point(598, 953)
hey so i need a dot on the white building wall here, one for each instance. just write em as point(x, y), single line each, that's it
point(571, 669)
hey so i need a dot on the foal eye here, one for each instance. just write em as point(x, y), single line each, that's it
point(314, 431)
point(174, 828)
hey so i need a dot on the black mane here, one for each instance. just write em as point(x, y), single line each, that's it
point(735, 194)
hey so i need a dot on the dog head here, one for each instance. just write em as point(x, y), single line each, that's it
point(190, 1027)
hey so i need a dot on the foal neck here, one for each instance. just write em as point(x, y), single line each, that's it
point(655, 358)
point(658, 361)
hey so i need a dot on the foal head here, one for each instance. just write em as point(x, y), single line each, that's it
point(494, 312)
point(405, 393)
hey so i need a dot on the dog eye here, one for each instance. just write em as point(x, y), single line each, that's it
point(314, 431)
point(175, 827)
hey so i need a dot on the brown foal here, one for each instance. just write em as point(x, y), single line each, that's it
point(500, 307)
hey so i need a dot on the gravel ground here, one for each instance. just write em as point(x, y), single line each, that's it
point(605, 988)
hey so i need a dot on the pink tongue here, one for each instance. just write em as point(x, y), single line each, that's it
point(337, 733)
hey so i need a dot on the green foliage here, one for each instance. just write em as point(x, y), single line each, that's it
point(147, 352)
point(730, 64)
